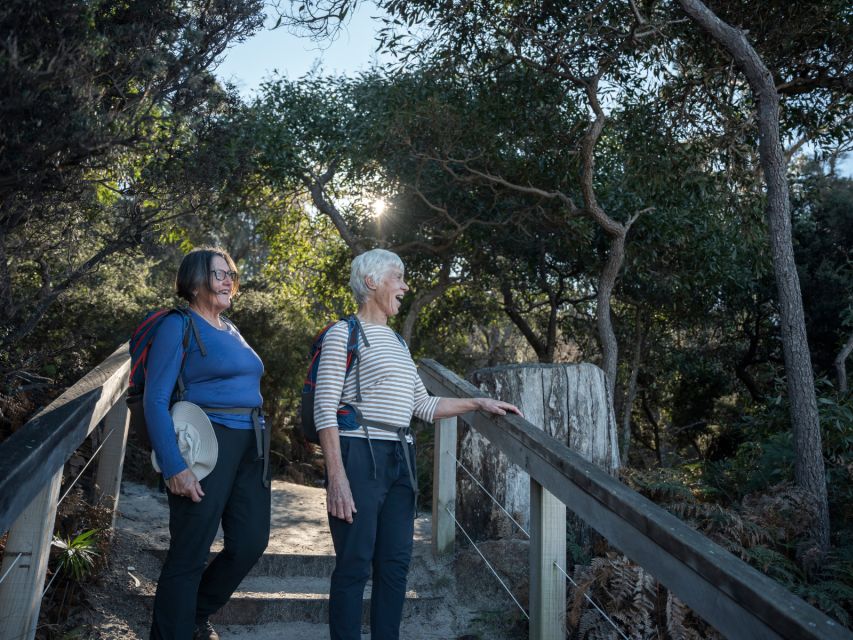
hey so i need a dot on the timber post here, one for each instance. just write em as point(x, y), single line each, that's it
point(111, 461)
point(444, 487)
point(547, 553)
point(25, 558)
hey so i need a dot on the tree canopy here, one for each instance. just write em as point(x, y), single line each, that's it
point(565, 182)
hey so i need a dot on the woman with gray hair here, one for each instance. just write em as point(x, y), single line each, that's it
point(363, 425)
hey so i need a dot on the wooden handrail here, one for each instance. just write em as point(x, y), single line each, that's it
point(33, 454)
point(31, 468)
point(736, 599)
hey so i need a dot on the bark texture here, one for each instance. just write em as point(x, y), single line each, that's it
point(569, 402)
point(808, 467)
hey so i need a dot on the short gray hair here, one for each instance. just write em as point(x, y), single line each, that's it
point(373, 264)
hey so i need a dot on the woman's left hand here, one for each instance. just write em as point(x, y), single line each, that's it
point(499, 407)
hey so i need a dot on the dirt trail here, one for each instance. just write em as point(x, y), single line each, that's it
point(284, 597)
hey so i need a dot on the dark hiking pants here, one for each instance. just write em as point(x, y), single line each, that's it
point(377, 543)
point(234, 494)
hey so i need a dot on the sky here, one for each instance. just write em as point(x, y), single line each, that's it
point(248, 63)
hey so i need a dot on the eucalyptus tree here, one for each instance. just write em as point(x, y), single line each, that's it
point(511, 242)
point(101, 104)
point(813, 61)
point(330, 142)
point(585, 47)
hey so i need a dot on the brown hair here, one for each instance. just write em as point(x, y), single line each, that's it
point(194, 272)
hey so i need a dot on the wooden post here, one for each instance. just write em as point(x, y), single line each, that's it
point(30, 535)
point(444, 487)
point(111, 462)
point(547, 547)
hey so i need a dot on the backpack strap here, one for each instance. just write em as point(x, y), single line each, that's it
point(196, 334)
point(189, 329)
point(355, 327)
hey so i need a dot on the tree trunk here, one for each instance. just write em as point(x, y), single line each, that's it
point(841, 368)
point(568, 402)
point(423, 299)
point(316, 187)
point(631, 392)
point(616, 231)
point(808, 466)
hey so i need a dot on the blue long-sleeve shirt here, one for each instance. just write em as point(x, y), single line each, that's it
point(228, 376)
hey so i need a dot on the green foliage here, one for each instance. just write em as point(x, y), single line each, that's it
point(765, 457)
point(107, 116)
point(77, 556)
point(823, 235)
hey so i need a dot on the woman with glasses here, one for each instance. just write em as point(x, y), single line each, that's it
point(221, 373)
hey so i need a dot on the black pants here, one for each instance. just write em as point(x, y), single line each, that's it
point(378, 543)
point(234, 495)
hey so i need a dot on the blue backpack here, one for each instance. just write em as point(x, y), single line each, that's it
point(140, 345)
point(348, 416)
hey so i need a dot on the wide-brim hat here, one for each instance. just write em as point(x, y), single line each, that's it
point(196, 439)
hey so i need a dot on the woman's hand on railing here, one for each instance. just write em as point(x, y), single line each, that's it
point(499, 407)
point(449, 407)
point(186, 484)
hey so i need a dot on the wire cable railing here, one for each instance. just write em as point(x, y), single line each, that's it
point(488, 564)
point(462, 466)
point(64, 495)
point(71, 486)
point(486, 491)
point(11, 566)
point(86, 466)
point(592, 602)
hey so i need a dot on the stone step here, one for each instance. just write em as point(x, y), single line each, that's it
point(290, 565)
point(281, 564)
point(410, 630)
point(268, 599)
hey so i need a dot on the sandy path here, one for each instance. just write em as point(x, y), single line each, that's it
point(299, 526)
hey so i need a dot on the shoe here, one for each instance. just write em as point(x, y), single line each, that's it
point(205, 631)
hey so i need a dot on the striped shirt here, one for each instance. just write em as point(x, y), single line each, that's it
point(391, 390)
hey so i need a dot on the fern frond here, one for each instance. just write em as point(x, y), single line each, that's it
point(776, 565)
point(832, 597)
point(675, 617)
point(646, 587)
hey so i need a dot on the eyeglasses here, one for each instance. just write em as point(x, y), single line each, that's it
point(220, 274)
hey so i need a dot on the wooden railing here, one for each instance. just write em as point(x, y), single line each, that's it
point(737, 600)
point(31, 469)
